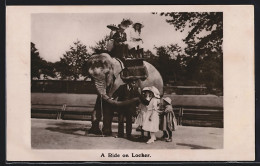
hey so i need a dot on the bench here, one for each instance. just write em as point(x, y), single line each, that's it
point(50, 111)
point(62, 106)
point(73, 112)
point(80, 107)
point(200, 116)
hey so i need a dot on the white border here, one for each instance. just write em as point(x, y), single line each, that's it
point(239, 143)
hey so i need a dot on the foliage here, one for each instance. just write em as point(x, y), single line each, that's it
point(48, 69)
point(199, 24)
point(203, 60)
point(100, 46)
point(199, 63)
point(170, 62)
point(72, 63)
point(212, 72)
point(35, 62)
point(40, 66)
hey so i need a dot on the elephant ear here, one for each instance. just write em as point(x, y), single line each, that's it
point(116, 68)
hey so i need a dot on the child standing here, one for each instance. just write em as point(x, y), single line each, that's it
point(151, 116)
point(139, 119)
point(141, 110)
point(168, 121)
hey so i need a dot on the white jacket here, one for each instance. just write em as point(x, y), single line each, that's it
point(132, 35)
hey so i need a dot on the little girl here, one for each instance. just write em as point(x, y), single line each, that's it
point(142, 108)
point(150, 114)
point(168, 121)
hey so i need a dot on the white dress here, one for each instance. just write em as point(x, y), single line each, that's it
point(139, 119)
point(132, 35)
point(151, 125)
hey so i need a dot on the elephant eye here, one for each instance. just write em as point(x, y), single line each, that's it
point(105, 64)
point(97, 64)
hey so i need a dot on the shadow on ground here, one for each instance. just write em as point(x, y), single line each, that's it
point(82, 130)
point(53, 134)
point(69, 128)
point(191, 146)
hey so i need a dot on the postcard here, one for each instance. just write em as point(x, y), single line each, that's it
point(130, 83)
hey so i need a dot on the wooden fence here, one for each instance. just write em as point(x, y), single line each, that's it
point(78, 108)
point(63, 86)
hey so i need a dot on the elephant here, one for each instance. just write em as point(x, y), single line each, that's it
point(105, 72)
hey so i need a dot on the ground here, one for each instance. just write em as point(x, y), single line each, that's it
point(66, 134)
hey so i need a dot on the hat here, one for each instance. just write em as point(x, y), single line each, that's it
point(141, 24)
point(126, 22)
point(146, 89)
point(168, 100)
point(128, 80)
point(112, 27)
point(122, 26)
point(154, 90)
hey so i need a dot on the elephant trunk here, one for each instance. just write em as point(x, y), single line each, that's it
point(100, 68)
point(101, 89)
point(120, 103)
point(100, 86)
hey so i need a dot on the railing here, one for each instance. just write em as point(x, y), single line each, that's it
point(187, 116)
point(50, 111)
point(186, 90)
point(203, 116)
point(189, 110)
point(63, 86)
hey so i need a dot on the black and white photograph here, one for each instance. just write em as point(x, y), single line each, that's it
point(127, 80)
point(130, 83)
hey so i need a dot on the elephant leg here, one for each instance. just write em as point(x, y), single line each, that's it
point(96, 117)
point(95, 128)
point(107, 121)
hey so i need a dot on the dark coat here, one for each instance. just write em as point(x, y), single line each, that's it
point(119, 37)
point(120, 50)
point(123, 93)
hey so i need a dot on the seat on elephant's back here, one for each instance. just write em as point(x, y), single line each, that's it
point(134, 69)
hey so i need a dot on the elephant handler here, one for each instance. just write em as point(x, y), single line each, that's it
point(125, 92)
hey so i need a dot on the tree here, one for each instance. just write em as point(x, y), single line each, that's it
point(170, 62)
point(47, 69)
point(40, 66)
point(212, 72)
point(204, 60)
point(100, 46)
point(199, 23)
point(72, 63)
point(35, 62)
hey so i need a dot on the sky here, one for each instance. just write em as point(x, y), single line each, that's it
point(53, 34)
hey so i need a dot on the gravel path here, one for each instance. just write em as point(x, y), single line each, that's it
point(66, 134)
